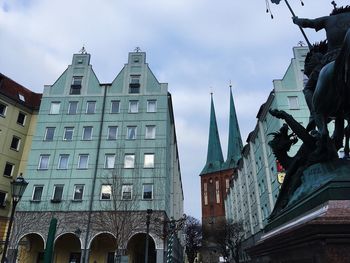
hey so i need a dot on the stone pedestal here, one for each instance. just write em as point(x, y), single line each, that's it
point(321, 235)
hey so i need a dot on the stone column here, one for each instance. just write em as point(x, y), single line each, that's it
point(160, 256)
point(87, 255)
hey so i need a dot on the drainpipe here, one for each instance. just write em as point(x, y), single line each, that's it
point(85, 258)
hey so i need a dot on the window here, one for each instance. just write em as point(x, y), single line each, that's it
point(3, 197)
point(151, 106)
point(21, 118)
point(227, 182)
point(115, 104)
point(133, 106)
point(72, 107)
point(112, 132)
point(44, 162)
point(129, 161)
point(147, 191)
point(75, 88)
point(49, 133)
point(55, 107)
point(293, 102)
point(3, 109)
point(63, 161)
point(90, 107)
point(109, 161)
point(134, 86)
point(150, 132)
point(148, 160)
point(131, 132)
point(15, 143)
point(217, 189)
point(78, 192)
point(87, 133)
point(106, 192)
point(206, 193)
point(127, 192)
point(37, 192)
point(57, 193)
point(83, 161)
point(21, 97)
point(68, 133)
point(8, 171)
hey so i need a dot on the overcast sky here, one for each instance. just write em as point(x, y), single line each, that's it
point(197, 46)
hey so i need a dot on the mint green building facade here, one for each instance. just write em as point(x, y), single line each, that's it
point(99, 150)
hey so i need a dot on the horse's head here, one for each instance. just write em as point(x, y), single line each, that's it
point(314, 56)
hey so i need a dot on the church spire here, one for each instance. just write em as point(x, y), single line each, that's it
point(235, 145)
point(214, 156)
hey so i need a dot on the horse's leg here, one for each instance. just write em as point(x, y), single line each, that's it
point(347, 137)
point(338, 134)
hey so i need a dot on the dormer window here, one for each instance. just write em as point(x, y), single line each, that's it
point(21, 97)
point(75, 88)
point(134, 86)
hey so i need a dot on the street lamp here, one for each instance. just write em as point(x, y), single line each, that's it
point(148, 219)
point(18, 186)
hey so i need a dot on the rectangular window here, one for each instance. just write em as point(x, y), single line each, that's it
point(15, 143)
point(115, 104)
point(87, 133)
point(293, 102)
point(206, 193)
point(78, 192)
point(49, 133)
point(109, 161)
point(3, 197)
point(21, 118)
point(37, 192)
point(57, 193)
point(75, 88)
point(83, 161)
point(227, 182)
point(44, 162)
point(72, 107)
point(3, 109)
point(151, 106)
point(68, 133)
point(150, 132)
point(55, 107)
point(148, 160)
point(106, 192)
point(134, 86)
point(8, 171)
point(133, 106)
point(217, 190)
point(147, 193)
point(129, 161)
point(112, 132)
point(131, 132)
point(63, 161)
point(127, 192)
point(90, 107)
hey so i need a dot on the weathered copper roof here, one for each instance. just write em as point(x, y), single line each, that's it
point(15, 91)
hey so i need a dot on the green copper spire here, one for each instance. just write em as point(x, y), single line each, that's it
point(235, 145)
point(214, 156)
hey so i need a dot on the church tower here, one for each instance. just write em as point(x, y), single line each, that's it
point(216, 175)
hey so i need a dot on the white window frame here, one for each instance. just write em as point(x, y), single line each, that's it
point(54, 192)
point(127, 188)
point(79, 161)
point(150, 133)
point(129, 130)
point(24, 118)
point(55, 107)
point(53, 134)
point(5, 199)
point(47, 157)
point(143, 192)
point(107, 164)
point(74, 192)
point(109, 188)
point(293, 102)
point(87, 107)
point(132, 104)
point(108, 133)
point(65, 131)
point(148, 160)
point(18, 143)
point(149, 104)
point(118, 108)
point(12, 169)
point(3, 113)
point(129, 163)
point(34, 190)
point(70, 103)
point(84, 130)
point(60, 161)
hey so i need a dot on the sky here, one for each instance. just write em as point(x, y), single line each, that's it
point(196, 46)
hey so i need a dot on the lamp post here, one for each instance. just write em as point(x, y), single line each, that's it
point(18, 186)
point(148, 219)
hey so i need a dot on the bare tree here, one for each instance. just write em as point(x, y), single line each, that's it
point(229, 235)
point(193, 236)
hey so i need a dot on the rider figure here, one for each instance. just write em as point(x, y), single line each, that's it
point(336, 26)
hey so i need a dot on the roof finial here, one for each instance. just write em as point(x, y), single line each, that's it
point(82, 50)
point(230, 84)
point(137, 49)
point(211, 92)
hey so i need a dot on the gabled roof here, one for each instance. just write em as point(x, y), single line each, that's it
point(215, 158)
point(19, 94)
